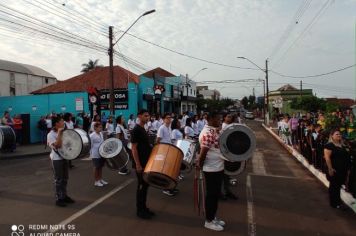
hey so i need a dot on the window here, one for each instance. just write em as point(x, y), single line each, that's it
point(12, 84)
point(46, 80)
point(191, 91)
point(183, 108)
point(194, 92)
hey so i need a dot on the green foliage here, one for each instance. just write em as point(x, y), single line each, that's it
point(308, 103)
point(211, 105)
point(86, 67)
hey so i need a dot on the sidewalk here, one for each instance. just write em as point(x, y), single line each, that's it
point(345, 196)
point(23, 151)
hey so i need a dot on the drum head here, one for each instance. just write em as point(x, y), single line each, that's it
point(110, 148)
point(159, 180)
point(71, 145)
point(237, 143)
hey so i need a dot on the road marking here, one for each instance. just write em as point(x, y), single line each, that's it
point(94, 204)
point(258, 164)
point(279, 176)
point(251, 224)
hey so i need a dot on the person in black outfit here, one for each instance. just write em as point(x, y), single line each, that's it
point(338, 161)
point(141, 150)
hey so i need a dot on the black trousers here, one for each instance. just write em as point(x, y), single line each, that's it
point(141, 193)
point(213, 182)
point(60, 173)
point(335, 183)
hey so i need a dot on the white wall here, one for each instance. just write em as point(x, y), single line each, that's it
point(24, 84)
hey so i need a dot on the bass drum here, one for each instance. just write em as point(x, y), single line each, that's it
point(75, 144)
point(7, 137)
point(237, 143)
point(234, 168)
point(163, 166)
point(114, 153)
point(189, 149)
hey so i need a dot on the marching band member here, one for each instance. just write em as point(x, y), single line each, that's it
point(122, 134)
point(176, 134)
point(96, 138)
point(188, 130)
point(109, 127)
point(213, 168)
point(131, 122)
point(141, 151)
point(59, 165)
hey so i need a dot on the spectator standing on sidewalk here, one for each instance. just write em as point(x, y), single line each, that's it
point(42, 126)
point(293, 124)
point(338, 161)
point(49, 123)
point(18, 128)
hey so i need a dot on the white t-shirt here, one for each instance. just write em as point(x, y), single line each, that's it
point(184, 119)
point(165, 134)
point(189, 131)
point(176, 134)
point(49, 123)
point(92, 126)
point(95, 140)
point(109, 127)
point(200, 124)
point(209, 138)
point(195, 128)
point(131, 124)
point(51, 139)
point(69, 125)
point(120, 129)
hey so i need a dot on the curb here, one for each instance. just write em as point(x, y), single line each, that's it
point(348, 199)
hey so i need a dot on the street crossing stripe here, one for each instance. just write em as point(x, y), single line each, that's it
point(94, 204)
point(258, 164)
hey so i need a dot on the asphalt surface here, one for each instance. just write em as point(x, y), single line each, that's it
point(277, 196)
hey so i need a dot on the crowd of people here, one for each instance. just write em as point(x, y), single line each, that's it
point(327, 141)
point(142, 132)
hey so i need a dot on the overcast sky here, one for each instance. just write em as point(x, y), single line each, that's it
point(319, 36)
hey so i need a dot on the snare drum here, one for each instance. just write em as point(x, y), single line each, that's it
point(7, 137)
point(188, 147)
point(163, 166)
point(114, 153)
point(75, 143)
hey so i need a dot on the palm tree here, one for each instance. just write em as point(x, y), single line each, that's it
point(90, 65)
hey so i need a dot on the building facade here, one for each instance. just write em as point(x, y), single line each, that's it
point(18, 79)
point(206, 93)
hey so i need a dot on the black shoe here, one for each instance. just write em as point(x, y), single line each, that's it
point(149, 212)
point(61, 203)
point(68, 200)
point(144, 215)
point(231, 196)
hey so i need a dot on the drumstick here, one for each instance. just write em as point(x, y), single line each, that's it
point(202, 191)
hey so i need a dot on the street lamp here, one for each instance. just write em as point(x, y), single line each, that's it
point(111, 58)
point(266, 73)
point(188, 85)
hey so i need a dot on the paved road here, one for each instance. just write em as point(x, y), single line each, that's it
point(277, 197)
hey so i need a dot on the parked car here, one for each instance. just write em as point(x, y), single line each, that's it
point(249, 115)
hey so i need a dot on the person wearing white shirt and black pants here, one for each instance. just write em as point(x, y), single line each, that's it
point(121, 133)
point(188, 130)
point(59, 165)
point(96, 139)
point(212, 164)
point(131, 122)
point(164, 134)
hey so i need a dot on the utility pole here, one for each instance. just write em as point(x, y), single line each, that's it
point(267, 91)
point(264, 101)
point(111, 61)
point(301, 89)
point(186, 84)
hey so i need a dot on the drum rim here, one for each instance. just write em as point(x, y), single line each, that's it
point(157, 144)
point(3, 136)
point(81, 150)
point(113, 169)
point(239, 171)
point(242, 157)
point(111, 155)
point(146, 174)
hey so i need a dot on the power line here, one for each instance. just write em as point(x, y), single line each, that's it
point(311, 76)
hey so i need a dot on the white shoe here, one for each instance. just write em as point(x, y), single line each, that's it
point(103, 182)
point(219, 222)
point(98, 184)
point(213, 226)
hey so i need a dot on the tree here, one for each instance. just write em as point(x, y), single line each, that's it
point(244, 102)
point(86, 67)
point(308, 103)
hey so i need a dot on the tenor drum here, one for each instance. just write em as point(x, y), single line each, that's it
point(234, 168)
point(188, 147)
point(237, 143)
point(114, 153)
point(75, 144)
point(163, 166)
point(7, 137)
